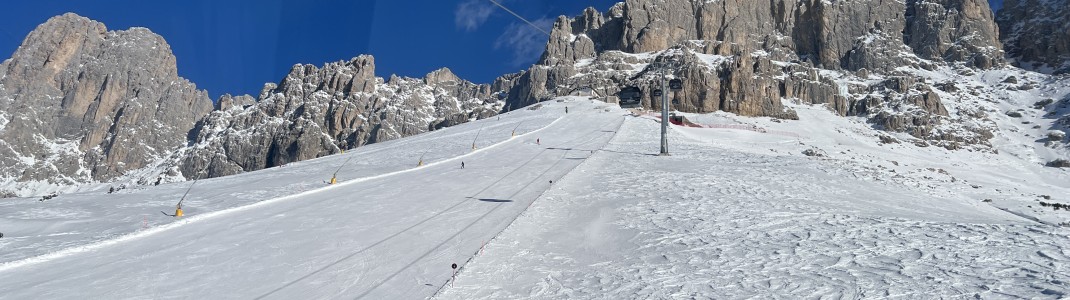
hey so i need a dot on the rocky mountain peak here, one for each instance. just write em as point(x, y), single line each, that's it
point(443, 75)
point(746, 57)
point(829, 34)
point(86, 104)
point(81, 104)
point(64, 41)
point(321, 110)
point(591, 19)
point(227, 102)
point(108, 104)
point(53, 45)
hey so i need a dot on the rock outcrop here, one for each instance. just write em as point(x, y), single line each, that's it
point(1036, 34)
point(954, 31)
point(79, 103)
point(317, 111)
point(746, 57)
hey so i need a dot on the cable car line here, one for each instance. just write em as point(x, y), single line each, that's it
point(519, 17)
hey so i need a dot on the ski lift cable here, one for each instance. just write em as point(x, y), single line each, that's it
point(519, 17)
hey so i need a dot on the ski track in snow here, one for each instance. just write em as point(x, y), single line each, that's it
point(589, 137)
point(374, 238)
point(134, 213)
point(740, 225)
point(720, 218)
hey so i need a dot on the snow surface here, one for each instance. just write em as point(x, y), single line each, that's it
point(713, 61)
point(732, 213)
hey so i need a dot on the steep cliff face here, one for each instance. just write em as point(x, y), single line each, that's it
point(79, 103)
point(1036, 34)
point(954, 31)
point(316, 111)
point(747, 57)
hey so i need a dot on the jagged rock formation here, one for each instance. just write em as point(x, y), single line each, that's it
point(954, 31)
point(1036, 34)
point(79, 103)
point(745, 57)
point(320, 111)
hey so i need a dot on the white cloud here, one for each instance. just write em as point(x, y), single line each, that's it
point(471, 14)
point(526, 42)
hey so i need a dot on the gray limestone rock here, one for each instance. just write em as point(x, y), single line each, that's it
point(746, 57)
point(81, 104)
point(228, 102)
point(317, 111)
point(955, 31)
point(1036, 34)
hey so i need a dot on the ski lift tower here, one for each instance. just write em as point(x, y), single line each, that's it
point(664, 67)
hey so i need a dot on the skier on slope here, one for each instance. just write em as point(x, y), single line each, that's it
point(462, 165)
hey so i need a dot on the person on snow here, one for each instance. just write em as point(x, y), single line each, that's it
point(538, 142)
point(462, 165)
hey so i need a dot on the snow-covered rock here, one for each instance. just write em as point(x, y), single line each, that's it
point(316, 111)
point(81, 107)
point(1036, 34)
point(867, 59)
point(81, 104)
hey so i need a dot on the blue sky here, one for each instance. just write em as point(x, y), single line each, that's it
point(237, 46)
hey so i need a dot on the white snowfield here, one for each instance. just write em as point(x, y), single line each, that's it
point(731, 214)
point(388, 236)
point(711, 221)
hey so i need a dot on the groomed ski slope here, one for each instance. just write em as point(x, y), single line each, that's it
point(35, 228)
point(392, 236)
point(739, 214)
point(731, 214)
